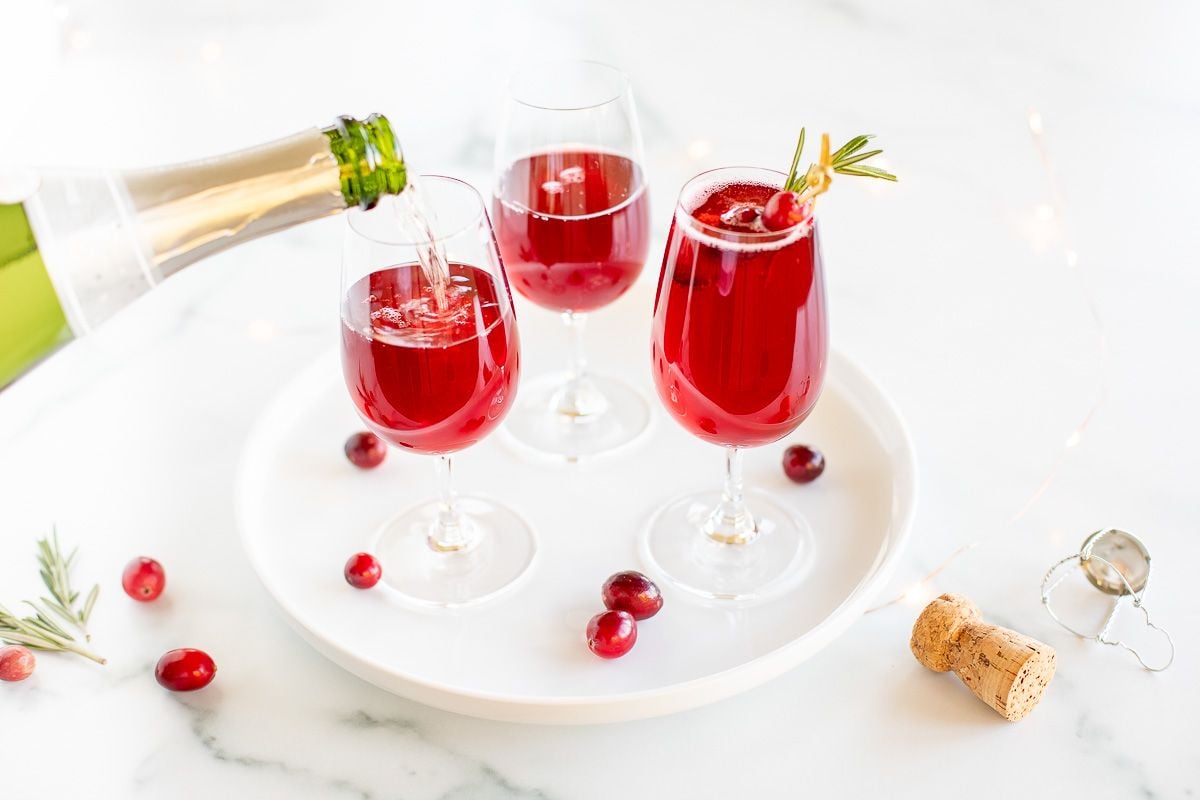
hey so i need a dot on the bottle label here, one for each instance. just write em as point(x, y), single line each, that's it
point(32, 322)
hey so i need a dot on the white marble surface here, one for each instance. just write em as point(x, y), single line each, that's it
point(951, 288)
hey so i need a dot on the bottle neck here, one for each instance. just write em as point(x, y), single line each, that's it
point(370, 163)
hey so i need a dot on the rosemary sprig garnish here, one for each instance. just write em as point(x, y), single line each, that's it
point(56, 574)
point(788, 185)
point(41, 631)
point(846, 160)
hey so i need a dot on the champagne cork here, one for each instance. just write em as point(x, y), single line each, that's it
point(1004, 669)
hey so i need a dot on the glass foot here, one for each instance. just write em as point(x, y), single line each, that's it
point(599, 416)
point(499, 553)
point(676, 549)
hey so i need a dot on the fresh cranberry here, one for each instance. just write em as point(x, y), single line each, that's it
point(803, 464)
point(777, 213)
point(365, 450)
point(185, 670)
point(782, 211)
point(632, 592)
point(143, 579)
point(363, 571)
point(611, 634)
point(16, 663)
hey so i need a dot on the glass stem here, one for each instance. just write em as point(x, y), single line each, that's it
point(731, 521)
point(450, 531)
point(578, 399)
point(576, 357)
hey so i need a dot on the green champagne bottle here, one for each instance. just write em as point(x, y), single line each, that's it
point(79, 246)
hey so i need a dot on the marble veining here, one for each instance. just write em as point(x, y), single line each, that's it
point(294, 772)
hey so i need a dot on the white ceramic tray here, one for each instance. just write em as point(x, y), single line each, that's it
point(304, 510)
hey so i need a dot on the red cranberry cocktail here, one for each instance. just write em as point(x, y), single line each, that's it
point(740, 347)
point(740, 335)
point(431, 358)
point(573, 224)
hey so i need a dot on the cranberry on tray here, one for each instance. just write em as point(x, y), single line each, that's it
point(611, 634)
point(363, 571)
point(803, 464)
point(365, 450)
point(632, 592)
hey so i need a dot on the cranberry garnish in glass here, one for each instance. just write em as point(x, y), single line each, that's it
point(573, 223)
point(740, 347)
point(431, 359)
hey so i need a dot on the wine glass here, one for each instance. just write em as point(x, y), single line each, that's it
point(431, 358)
point(740, 345)
point(573, 223)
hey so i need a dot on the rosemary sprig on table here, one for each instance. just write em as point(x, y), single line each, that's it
point(847, 160)
point(41, 631)
point(56, 574)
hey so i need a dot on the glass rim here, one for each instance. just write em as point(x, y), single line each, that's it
point(622, 89)
point(401, 240)
point(722, 234)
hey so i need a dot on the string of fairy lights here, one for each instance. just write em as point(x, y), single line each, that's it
point(922, 591)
